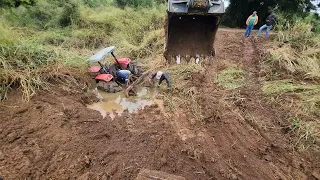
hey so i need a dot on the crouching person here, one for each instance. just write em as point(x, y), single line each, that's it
point(125, 76)
point(160, 76)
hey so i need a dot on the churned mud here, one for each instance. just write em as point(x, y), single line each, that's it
point(242, 135)
point(114, 104)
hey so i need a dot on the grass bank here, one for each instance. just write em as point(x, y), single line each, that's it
point(49, 42)
point(292, 70)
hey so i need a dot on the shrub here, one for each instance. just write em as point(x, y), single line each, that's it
point(314, 20)
point(70, 14)
point(16, 3)
point(44, 15)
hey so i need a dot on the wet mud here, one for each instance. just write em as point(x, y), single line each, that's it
point(55, 135)
point(114, 104)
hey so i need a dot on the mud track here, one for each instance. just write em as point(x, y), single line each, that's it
point(242, 137)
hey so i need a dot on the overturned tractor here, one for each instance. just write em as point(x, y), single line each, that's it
point(106, 75)
point(191, 28)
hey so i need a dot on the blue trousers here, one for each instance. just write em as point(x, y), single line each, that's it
point(264, 27)
point(248, 30)
point(165, 77)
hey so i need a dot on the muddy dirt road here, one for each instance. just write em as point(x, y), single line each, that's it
point(242, 137)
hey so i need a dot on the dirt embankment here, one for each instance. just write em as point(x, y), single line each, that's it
point(56, 136)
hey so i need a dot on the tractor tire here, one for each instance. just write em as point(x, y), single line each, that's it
point(109, 87)
point(135, 69)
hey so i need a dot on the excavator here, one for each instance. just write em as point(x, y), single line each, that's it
point(191, 28)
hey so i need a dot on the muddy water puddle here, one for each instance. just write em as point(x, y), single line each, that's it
point(113, 104)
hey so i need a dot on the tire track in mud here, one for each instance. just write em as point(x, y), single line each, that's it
point(224, 147)
point(267, 120)
point(235, 139)
point(233, 144)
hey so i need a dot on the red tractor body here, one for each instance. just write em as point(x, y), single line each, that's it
point(124, 62)
point(105, 76)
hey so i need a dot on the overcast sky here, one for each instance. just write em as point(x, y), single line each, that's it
point(316, 4)
point(226, 3)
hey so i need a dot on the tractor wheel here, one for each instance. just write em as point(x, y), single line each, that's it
point(109, 87)
point(135, 69)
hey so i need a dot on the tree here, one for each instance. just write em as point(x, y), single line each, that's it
point(16, 3)
point(239, 10)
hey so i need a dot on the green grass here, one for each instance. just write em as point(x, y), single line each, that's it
point(305, 108)
point(183, 95)
point(308, 94)
point(231, 78)
point(307, 133)
point(136, 33)
point(288, 85)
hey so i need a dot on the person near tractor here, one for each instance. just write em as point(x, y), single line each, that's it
point(271, 21)
point(251, 22)
point(124, 76)
point(160, 76)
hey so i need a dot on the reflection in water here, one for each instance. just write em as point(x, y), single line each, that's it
point(116, 103)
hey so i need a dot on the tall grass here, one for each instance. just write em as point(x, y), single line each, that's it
point(31, 68)
point(293, 61)
point(297, 51)
point(50, 41)
point(135, 32)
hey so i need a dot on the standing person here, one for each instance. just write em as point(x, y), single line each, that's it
point(271, 21)
point(251, 22)
point(160, 76)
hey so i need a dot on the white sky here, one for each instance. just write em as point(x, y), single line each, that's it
point(226, 3)
point(316, 3)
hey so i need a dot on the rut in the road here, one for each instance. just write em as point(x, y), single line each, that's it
point(242, 138)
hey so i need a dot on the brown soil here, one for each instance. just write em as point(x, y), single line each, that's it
point(55, 136)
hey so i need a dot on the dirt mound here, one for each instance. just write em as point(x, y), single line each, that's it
point(56, 137)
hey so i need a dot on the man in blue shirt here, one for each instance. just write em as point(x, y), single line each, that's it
point(124, 76)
